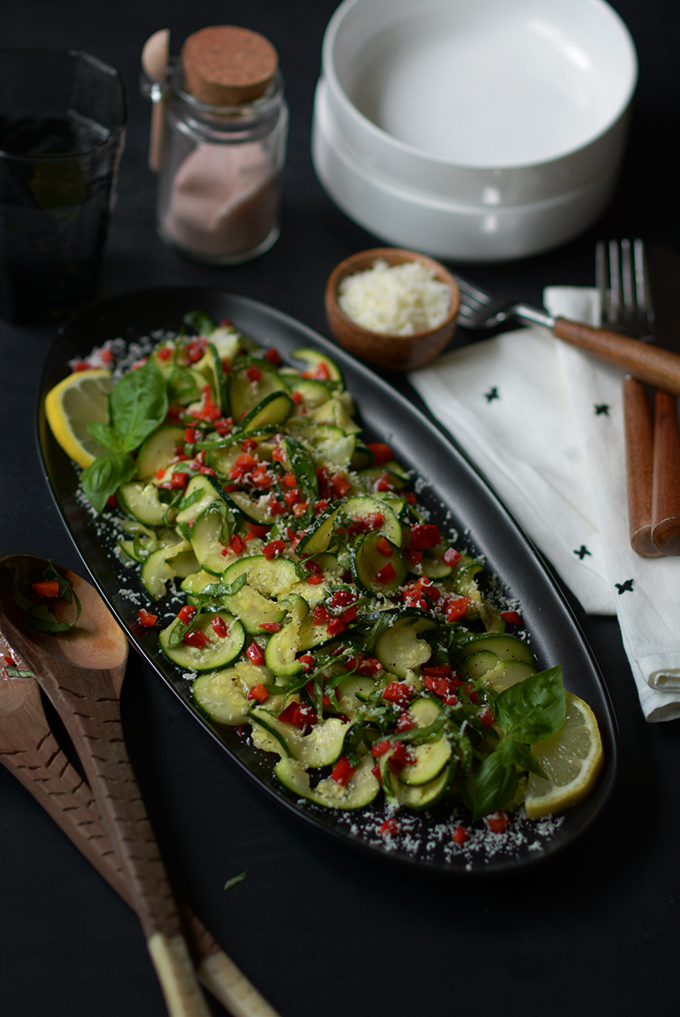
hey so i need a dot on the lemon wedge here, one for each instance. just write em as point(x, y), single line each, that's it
point(572, 759)
point(70, 406)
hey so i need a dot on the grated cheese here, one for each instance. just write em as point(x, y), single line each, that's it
point(395, 299)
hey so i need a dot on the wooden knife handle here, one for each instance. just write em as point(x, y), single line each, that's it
point(649, 363)
point(666, 482)
point(639, 430)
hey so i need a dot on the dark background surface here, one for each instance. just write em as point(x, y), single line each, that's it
point(322, 931)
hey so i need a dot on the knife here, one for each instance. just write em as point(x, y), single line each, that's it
point(664, 275)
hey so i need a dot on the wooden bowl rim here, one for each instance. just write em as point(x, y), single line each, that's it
point(373, 254)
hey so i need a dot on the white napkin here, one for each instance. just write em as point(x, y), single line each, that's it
point(543, 421)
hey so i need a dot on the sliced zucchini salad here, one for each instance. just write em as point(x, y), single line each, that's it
point(323, 608)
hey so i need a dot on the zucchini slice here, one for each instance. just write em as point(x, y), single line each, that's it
point(321, 747)
point(165, 564)
point(209, 536)
point(319, 366)
point(216, 653)
point(142, 501)
point(272, 577)
point(506, 647)
point(247, 395)
point(359, 791)
point(400, 650)
point(223, 695)
point(370, 565)
point(365, 508)
point(158, 451)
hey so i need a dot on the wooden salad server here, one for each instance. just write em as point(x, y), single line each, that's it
point(81, 670)
point(29, 750)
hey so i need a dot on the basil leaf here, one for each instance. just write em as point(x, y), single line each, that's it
point(182, 385)
point(107, 436)
point(12, 671)
point(199, 323)
point(495, 783)
point(104, 475)
point(235, 879)
point(534, 709)
point(138, 404)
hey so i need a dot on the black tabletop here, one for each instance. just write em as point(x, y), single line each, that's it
point(321, 930)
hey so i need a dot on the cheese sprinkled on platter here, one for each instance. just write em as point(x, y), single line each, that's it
point(395, 300)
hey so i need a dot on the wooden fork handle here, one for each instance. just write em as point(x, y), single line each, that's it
point(649, 363)
point(639, 432)
point(666, 483)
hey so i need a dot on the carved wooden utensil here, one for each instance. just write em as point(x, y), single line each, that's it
point(81, 670)
point(30, 751)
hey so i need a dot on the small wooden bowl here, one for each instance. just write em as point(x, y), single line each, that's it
point(394, 352)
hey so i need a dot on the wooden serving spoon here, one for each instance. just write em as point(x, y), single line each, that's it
point(81, 670)
point(29, 750)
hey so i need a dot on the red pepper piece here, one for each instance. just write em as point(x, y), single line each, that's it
point(273, 549)
point(384, 482)
point(258, 692)
point(314, 579)
point(46, 588)
point(451, 556)
point(425, 535)
point(398, 693)
point(460, 835)
point(497, 822)
point(271, 626)
point(255, 654)
point(219, 627)
point(187, 613)
point(384, 548)
point(146, 619)
point(342, 771)
point(511, 617)
point(255, 530)
point(179, 480)
point(382, 453)
point(405, 722)
point(400, 757)
point(386, 573)
point(273, 356)
point(390, 828)
point(254, 373)
point(321, 615)
point(340, 485)
point(456, 608)
point(380, 748)
point(195, 638)
point(487, 718)
point(336, 626)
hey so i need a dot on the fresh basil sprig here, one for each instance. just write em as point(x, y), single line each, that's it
point(528, 712)
point(138, 404)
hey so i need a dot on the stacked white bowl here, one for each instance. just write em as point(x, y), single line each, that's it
point(478, 130)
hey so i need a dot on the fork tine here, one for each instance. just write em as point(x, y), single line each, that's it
point(627, 280)
point(643, 296)
point(601, 280)
point(614, 283)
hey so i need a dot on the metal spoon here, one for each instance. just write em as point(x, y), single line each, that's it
point(81, 670)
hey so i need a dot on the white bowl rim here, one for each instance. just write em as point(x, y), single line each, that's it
point(390, 141)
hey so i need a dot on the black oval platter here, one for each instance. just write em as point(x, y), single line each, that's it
point(457, 497)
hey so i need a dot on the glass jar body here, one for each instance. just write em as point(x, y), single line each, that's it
point(220, 183)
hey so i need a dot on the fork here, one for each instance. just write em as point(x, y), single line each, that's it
point(625, 301)
point(649, 363)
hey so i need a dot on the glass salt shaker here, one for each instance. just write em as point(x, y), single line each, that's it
point(224, 148)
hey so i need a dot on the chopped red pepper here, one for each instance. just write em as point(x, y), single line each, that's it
point(46, 588)
point(382, 453)
point(497, 822)
point(219, 626)
point(146, 619)
point(400, 757)
point(273, 356)
point(321, 615)
point(451, 557)
point(460, 835)
point(195, 638)
point(254, 373)
point(273, 549)
point(384, 482)
point(398, 693)
point(255, 530)
point(380, 748)
point(342, 771)
point(336, 626)
point(456, 608)
point(487, 718)
point(340, 485)
point(273, 626)
point(511, 617)
point(258, 692)
point(390, 828)
point(425, 535)
point(179, 480)
point(384, 548)
point(255, 654)
point(187, 613)
point(386, 573)
point(314, 579)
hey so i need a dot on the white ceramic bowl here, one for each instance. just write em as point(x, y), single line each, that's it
point(474, 107)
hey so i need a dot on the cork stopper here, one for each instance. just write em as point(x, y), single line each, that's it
point(226, 66)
